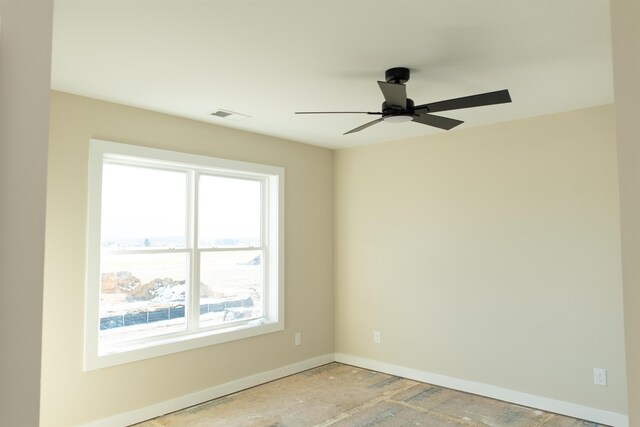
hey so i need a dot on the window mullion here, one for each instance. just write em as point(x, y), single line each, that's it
point(194, 288)
point(264, 243)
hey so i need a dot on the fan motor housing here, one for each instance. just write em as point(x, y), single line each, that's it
point(389, 110)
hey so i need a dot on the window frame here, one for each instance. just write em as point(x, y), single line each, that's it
point(272, 244)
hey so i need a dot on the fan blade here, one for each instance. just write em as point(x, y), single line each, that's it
point(394, 94)
point(437, 121)
point(489, 98)
point(364, 126)
point(336, 112)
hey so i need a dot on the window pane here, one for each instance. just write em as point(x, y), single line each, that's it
point(143, 207)
point(229, 212)
point(231, 286)
point(142, 295)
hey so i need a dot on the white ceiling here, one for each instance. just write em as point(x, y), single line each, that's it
point(268, 59)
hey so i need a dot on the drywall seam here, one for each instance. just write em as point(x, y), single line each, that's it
point(519, 398)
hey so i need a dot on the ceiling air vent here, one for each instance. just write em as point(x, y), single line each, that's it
point(230, 115)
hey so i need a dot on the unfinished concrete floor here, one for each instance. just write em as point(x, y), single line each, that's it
point(341, 395)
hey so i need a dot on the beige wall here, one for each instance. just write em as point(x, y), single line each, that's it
point(625, 19)
point(490, 255)
point(70, 396)
point(25, 64)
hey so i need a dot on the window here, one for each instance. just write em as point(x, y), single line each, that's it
point(184, 251)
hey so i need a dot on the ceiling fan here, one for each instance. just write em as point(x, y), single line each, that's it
point(398, 108)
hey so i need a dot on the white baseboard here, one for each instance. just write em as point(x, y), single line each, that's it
point(524, 399)
point(182, 402)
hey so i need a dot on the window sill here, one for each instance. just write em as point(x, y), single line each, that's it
point(162, 346)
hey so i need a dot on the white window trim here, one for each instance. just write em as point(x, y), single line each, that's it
point(180, 342)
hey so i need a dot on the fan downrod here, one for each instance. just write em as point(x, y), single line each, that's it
point(397, 75)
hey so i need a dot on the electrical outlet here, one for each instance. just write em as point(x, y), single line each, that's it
point(298, 338)
point(376, 337)
point(600, 376)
